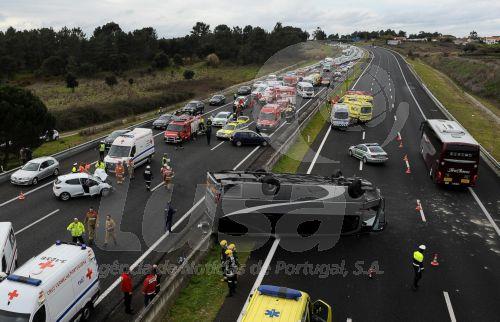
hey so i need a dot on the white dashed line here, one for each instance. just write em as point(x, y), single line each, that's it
point(364, 135)
point(218, 145)
point(36, 222)
point(360, 165)
point(450, 308)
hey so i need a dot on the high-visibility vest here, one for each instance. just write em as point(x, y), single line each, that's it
point(76, 229)
point(74, 170)
point(164, 160)
point(418, 258)
point(100, 165)
point(102, 147)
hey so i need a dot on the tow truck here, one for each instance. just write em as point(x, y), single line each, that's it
point(182, 128)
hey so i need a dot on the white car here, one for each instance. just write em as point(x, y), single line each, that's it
point(35, 170)
point(80, 185)
point(221, 119)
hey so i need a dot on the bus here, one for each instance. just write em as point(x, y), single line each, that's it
point(450, 153)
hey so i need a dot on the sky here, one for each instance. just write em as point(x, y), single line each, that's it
point(176, 18)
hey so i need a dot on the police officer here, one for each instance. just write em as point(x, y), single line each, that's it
point(100, 165)
point(74, 169)
point(230, 272)
point(418, 265)
point(148, 177)
point(208, 131)
point(76, 228)
point(102, 150)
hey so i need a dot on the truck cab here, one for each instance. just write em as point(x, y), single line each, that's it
point(182, 128)
point(269, 117)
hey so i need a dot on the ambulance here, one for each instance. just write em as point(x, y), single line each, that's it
point(360, 106)
point(275, 303)
point(137, 144)
point(60, 284)
point(8, 249)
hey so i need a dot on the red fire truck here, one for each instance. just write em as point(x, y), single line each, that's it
point(182, 127)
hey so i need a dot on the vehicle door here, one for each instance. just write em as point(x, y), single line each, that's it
point(44, 170)
point(73, 187)
point(9, 253)
point(358, 152)
point(94, 188)
point(321, 312)
point(40, 315)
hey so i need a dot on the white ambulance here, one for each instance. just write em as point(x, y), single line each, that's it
point(137, 144)
point(8, 248)
point(60, 284)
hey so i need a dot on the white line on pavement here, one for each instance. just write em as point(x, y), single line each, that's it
point(421, 211)
point(450, 308)
point(36, 222)
point(391, 97)
point(349, 320)
point(395, 118)
point(27, 193)
point(243, 161)
point(157, 186)
point(360, 165)
point(486, 213)
point(319, 151)
point(364, 135)
point(218, 145)
point(160, 133)
point(261, 275)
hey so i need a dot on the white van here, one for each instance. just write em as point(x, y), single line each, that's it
point(339, 118)
point(60, 284)
point(8, 248)
point(137, 144)
point(305, 90)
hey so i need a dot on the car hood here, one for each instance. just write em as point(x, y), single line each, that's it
point(160, 122)
point(101, 174)
point(23, 174)
point(225, 131)
point(219, 119)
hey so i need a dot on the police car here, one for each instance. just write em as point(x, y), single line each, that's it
point(275, 303)
point(60, 284)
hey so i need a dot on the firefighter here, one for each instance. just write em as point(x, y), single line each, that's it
point(148, 177)
point(149, 288)
point(91, 222)
point(119, 171)
point(230, 272)
point(102, 150)
point(164, 160)
point(74, 169)
point(418, 265)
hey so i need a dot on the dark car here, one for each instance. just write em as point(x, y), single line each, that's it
point(108, 141)
point(243, 91)
point(163, 121)
point(247, 137)
point(217, 100)
point(194, 108)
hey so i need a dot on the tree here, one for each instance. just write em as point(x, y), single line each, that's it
point(473, 35)
point(188, 74)
point(319, 34)
point(469, 47)
point(213, 60)
point(8, 67)
point(71, 82)
point(178, 60)
point(87, 69)
point(161, 60)
point(53, 66)
point(24, 118)
point(111, 80)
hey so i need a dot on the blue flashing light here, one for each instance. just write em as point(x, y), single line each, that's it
point(84, 246)
point(58, 242)
point(278, 291)
point(24, 279)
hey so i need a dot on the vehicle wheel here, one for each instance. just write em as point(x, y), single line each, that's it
point(65, 196)
point(56, 172)
point(238, 143)
point(104, 192)
point(350, 152)
point(149, 160)
point(365, 160)
point(87, 312)
point(34, 182)
point(270, 185)
point(264, 143)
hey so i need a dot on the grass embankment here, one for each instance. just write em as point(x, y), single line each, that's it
point(202, 298)
point(290, 162)
point(474, 119)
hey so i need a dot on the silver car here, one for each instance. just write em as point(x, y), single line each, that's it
point(35, 170)
point(368, 152)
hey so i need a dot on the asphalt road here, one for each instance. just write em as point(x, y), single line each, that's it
point(463, 287)
point(41, 219)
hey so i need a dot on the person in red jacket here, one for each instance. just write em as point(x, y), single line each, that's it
point(126, 286)
point(149, 288)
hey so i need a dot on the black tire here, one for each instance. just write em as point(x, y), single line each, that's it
point(355, 190)
point(270, 185)
point(34, 182)
point(350, 152)
point(87, 312)
point(238, 143)
point(65, 196)
point(56, 172)
point(264, 143)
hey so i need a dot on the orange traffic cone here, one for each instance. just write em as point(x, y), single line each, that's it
point(408, 171)
point(21, 196)
point(400, 144)
point(435, 260)
point(398, 137)
point(405, 158)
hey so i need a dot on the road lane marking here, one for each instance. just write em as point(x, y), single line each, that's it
point(243, 161)
point(157, 186)
point(395, 117)
point(319, 151)
point(215, 147)
point(27, 193)
point(349, 320)
point(391, 97)
point(159, 133)
point(450, 308)
point(485, 211)
point(261, 275)
point(421, 210)
point(360, 165)
point(36, 222)
point(364, 135)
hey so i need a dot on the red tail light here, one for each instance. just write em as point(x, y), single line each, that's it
point(474, 179)
point(439, 176)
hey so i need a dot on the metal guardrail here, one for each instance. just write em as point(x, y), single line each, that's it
point(487, 157)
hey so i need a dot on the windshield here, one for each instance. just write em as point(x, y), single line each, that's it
point(217, 97)
point(229, 127)
point(31, 166)
point(6, 316)
point(165, 117)
point(341, 115)
point(174, 127)
point(366, 109)
point(267, 116)
point(119, 151)
point(376, 149)
point(222, 115)
point(116, 134)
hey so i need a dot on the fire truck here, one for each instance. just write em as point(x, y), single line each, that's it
point(182, 128)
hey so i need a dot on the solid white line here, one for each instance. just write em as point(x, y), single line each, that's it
point(450, 308)
point(422, 215)
point(215, 147)
point(360, 165)
point(157, 186)
point(364, 70)
point(311, 166)
point(395, 118)
point(243, 161)
point(275, 131)
point(485, 211)
point(218, 108)
point(161, 132)
point(36, 222)
point(27, 193)
point(364, 135)
point(391, 97)
point(261, 275)
point(148, 251)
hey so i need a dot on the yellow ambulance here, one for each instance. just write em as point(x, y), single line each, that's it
point(275, 303)
point(360, 106)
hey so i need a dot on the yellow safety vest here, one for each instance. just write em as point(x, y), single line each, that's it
point(418, 256)
point(102, 147)
point(100, 165)
point(74, 170)
point(76, 229)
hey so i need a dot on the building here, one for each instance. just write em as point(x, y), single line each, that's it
point(393, 42)
point(491, 40)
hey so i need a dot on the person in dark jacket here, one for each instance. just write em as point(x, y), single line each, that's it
point(169, 217)
point(208, 131)
point(148, 177)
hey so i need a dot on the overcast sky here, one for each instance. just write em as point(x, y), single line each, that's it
point(175, 18)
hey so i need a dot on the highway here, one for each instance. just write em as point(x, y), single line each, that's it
point(453, 223)
point(41, 219)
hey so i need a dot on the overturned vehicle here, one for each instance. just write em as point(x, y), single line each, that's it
point(263, 203)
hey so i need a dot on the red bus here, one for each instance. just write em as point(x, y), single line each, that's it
point(450, 153)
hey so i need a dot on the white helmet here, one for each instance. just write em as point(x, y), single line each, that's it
point(148, 167)
point(422, 247)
